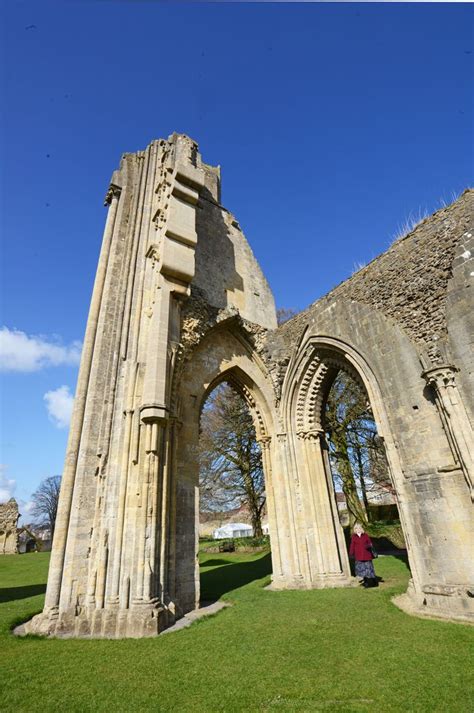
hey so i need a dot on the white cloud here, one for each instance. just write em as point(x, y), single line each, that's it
point(7, 485)
point(25, 507)
point(21, 352)
point(59, 404)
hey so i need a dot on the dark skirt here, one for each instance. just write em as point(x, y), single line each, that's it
point(365, 569)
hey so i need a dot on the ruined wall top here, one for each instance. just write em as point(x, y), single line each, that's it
point(408, 283)
point(9, 514)
point(181, 201)
point(8, 527)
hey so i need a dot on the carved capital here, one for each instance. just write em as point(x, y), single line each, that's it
point(265, 442)
point(113, 191)
point(441, 377)
point(312, 435)
point(455, 418)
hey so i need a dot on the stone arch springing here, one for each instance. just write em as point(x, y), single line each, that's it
point(315, 387)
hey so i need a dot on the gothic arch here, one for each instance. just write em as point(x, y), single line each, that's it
point(311, 374)
point(309, 378)
point(240, 383)
point(224, 354)
point(305, 391)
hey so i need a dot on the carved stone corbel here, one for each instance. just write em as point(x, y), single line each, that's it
point(112, 192)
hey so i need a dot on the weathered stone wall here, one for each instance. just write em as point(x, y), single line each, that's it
point(236, 281)
point(8, 527)
point(460, 315)
point(408, 283)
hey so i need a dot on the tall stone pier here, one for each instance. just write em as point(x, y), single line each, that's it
point(179, 305)
point(123, 559)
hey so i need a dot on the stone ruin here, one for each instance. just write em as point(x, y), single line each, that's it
point(8, 527)
point(180, 305)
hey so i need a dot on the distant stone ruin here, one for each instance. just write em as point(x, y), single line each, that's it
point(8, 527)
point(180, 305)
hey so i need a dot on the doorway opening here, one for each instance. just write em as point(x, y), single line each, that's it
point(359, 467)
point(234, 546)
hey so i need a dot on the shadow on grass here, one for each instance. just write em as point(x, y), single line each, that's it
point(231, 576)
point(215, 563)
point(402, 555)
point(9, 594)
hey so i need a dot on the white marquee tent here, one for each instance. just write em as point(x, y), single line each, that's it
point(233, 529)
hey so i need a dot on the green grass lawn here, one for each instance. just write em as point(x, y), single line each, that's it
point(333, 650)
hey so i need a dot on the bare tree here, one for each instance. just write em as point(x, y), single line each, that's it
point(231, 471)
point(45, 500)
point(357, 454)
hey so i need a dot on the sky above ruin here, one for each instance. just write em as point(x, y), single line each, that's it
point(334, 124)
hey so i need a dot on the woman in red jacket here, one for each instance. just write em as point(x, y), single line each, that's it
point(361, 550)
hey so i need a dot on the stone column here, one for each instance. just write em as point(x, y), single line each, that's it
point(119, 526)
point(170, 551)
point(148, 514)
point(161, 581)
point(455, 419)
point(265, 445)
point(285, 471)
point(327, 550)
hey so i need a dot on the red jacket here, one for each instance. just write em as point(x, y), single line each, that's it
point(359, 547)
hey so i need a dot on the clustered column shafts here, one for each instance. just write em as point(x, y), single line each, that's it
point(266, 446)
point(318, 471)
point(455, 418)
point(58, 553)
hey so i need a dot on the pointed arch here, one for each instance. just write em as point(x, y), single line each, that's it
point(224, 354)
point(309, 379)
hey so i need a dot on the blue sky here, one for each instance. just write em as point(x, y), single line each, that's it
point(333, 124)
